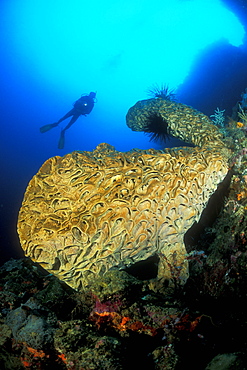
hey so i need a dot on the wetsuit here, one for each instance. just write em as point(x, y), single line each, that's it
point(82, 106)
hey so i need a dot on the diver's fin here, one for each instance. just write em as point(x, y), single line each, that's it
point(61, 140)
point(46, 128)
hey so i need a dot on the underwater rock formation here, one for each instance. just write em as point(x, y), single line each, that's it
point(87, 212)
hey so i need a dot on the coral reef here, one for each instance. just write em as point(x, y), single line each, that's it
point(177, 119)
point(243, 102)
point(87, 212)
point(218, 117)
point(113, 325)
point(224, 271)
point(120, 321)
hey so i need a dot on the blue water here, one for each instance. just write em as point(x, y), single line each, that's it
point(52, 52)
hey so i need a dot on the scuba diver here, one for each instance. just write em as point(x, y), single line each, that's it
point(82, 106)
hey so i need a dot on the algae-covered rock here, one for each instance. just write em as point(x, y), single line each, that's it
point(7, 359)
point(116, 282)
point(106, 354)
point(85, 350)
point(33, 324)
point(165, 358)
point(71, 335)
point(227, 361)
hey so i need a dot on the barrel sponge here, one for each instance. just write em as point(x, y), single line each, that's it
point(166, 117)
point(87, 212)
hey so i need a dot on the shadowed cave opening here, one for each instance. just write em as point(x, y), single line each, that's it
point(144, 270)
point(57, 264)
point(156, 128)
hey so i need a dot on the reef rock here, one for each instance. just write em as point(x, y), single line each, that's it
point(87, 212)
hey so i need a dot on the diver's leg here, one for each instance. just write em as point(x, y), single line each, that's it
point(61, 140)
point(62, 137)
point(67, 115)
point(48, 127)
point(73, 119)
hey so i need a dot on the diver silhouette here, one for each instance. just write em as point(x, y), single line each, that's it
point(82, 106)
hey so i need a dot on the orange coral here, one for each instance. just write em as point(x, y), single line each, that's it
point(239, 124)
point(120, 322)
point(25, 363)
point(31, 354)
point(62, 357)
point(241, 195)
point(36, 353)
